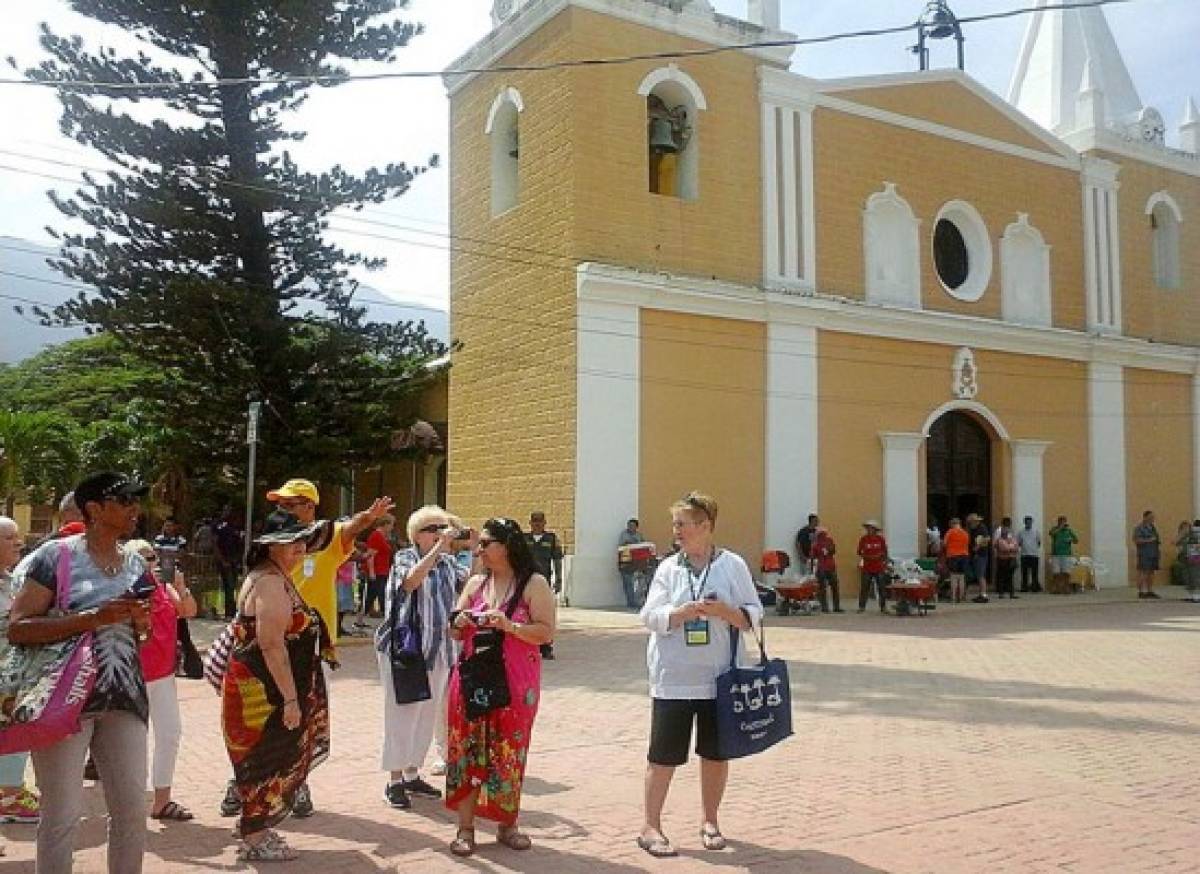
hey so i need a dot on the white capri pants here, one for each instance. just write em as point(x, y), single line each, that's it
point(167, 728)
point(408, 729)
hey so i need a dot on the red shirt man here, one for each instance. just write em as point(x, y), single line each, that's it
point(823, 550)
point(873, 549)
point(381, 561)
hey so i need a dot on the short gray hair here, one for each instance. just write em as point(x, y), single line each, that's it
point(423, 516)
point(6, 522)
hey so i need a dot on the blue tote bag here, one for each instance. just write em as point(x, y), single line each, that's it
point(754, 704)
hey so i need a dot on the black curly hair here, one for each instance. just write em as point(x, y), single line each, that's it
point(508, 532)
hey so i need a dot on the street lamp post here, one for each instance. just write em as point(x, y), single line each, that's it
point(252, 441)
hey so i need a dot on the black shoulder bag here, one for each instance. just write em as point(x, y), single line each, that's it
point(481, 677)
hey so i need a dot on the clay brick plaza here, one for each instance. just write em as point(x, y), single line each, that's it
point(1058, 734)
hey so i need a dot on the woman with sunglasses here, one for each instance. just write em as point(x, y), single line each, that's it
point(424, 580)
point(485, 765)
point(695, 600)
point(170, 601)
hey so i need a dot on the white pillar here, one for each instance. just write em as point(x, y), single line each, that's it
point(901, 493)
point(608, 422)
point(1106, 466)
point(764, 13)
point(1027, 476)
point(791, 456)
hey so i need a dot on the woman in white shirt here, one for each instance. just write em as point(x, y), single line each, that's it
point(694, 600)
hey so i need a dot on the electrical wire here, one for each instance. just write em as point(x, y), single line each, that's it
point(506, 69)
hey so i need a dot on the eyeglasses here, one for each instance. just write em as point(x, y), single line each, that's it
point(485, 542)
point(432, 529)
point(288, 503)
point(150, 557)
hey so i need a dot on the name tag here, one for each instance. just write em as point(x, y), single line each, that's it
point(695, 632)
point(310, 567)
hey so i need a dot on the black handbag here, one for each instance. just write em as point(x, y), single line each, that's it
point(188, 663)
point(481, 677)
point(410, 678)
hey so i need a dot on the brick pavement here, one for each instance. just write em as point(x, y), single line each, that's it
point(990, 739)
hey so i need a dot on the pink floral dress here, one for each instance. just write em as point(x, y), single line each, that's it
point(491, 752)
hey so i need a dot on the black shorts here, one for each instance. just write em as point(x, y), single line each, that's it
point(671, 730)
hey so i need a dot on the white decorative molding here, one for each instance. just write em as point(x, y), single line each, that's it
point(672, 73)
point(902, 492)
point(792, 462)
point(1028, 481)
point(608, 419)
point(967, 407)
point(691, 22)
point(891, 249)
point(506, 95)
point(964, 383)
point(1196, 445)
point(1124, 147)
point(789, 203)
point(1162, 197)
point(1025, 294)
point(1106, 470)
point(1102, 245)
point(706, 296)
point(975, 235)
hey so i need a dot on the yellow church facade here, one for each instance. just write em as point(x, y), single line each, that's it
point(894, 296)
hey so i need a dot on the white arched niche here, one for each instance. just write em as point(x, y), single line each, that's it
point(1165, 219)
point(1024, 275)
point(671, 90)
point(503, 128)
point(891, 248)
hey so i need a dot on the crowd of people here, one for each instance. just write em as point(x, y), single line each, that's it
point(466, 617)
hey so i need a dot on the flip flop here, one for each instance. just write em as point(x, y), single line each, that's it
point(174, 812)
point(512, 838)
point(711, 837)
point(659, 847)
point(463, 844)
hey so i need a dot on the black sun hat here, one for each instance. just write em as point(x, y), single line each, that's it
point(281, 528)
point(99, 487)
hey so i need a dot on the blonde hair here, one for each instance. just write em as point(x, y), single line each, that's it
point(423, 516)
point(698, 506)
point(137, 547)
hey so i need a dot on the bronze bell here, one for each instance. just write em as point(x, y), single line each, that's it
point(662, 136)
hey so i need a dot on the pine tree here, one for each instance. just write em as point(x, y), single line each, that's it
point(206, 246)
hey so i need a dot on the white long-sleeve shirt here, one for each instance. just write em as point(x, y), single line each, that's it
point(679, 671)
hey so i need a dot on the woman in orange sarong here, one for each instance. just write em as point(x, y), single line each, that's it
point(486, 757)
point(274, 705)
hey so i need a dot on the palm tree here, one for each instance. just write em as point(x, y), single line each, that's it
point(37, 454)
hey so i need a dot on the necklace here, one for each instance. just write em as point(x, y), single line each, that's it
point(108, 568)
point(492, 601)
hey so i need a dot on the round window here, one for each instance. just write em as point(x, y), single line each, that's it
point(962, 251)
point(950, 255)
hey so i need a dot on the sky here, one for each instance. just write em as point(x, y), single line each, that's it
point(371, 123)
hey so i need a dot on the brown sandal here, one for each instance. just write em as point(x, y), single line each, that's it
point(463, 844)
point(512, 838)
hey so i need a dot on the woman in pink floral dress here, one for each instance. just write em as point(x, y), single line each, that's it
point(512, 606)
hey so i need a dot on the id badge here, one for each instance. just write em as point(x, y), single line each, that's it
point(695, 632)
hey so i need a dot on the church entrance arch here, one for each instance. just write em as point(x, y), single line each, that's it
point(958, 468)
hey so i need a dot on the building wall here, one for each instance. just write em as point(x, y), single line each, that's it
point(717, 235)
point(1160, 314)
point(949, 104)
point(1158, 441)
point(512, 384)
point(870, 385)
point(703, 424)
point(929, 171)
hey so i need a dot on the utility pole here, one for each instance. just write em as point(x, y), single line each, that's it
point(252, 441)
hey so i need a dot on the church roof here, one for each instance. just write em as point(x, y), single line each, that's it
point(1066, 51)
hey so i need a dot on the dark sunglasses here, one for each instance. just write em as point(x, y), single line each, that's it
point(485, 542)
point(432, 529)
point(151, 557)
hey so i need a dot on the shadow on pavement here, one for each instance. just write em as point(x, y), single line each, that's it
point(755, 858)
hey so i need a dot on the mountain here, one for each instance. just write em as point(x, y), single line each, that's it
point(26, 280)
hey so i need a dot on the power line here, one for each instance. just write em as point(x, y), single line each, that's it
point(615, 60)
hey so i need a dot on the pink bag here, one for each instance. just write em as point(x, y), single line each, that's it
point(43, 688)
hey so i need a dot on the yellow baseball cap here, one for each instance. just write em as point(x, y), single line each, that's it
point(295, 488)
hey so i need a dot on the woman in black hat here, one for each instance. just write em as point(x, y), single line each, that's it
point(97, 588)
point(274, 706)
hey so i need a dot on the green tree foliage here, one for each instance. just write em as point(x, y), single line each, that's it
point(37, 455)
point(206, 247)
